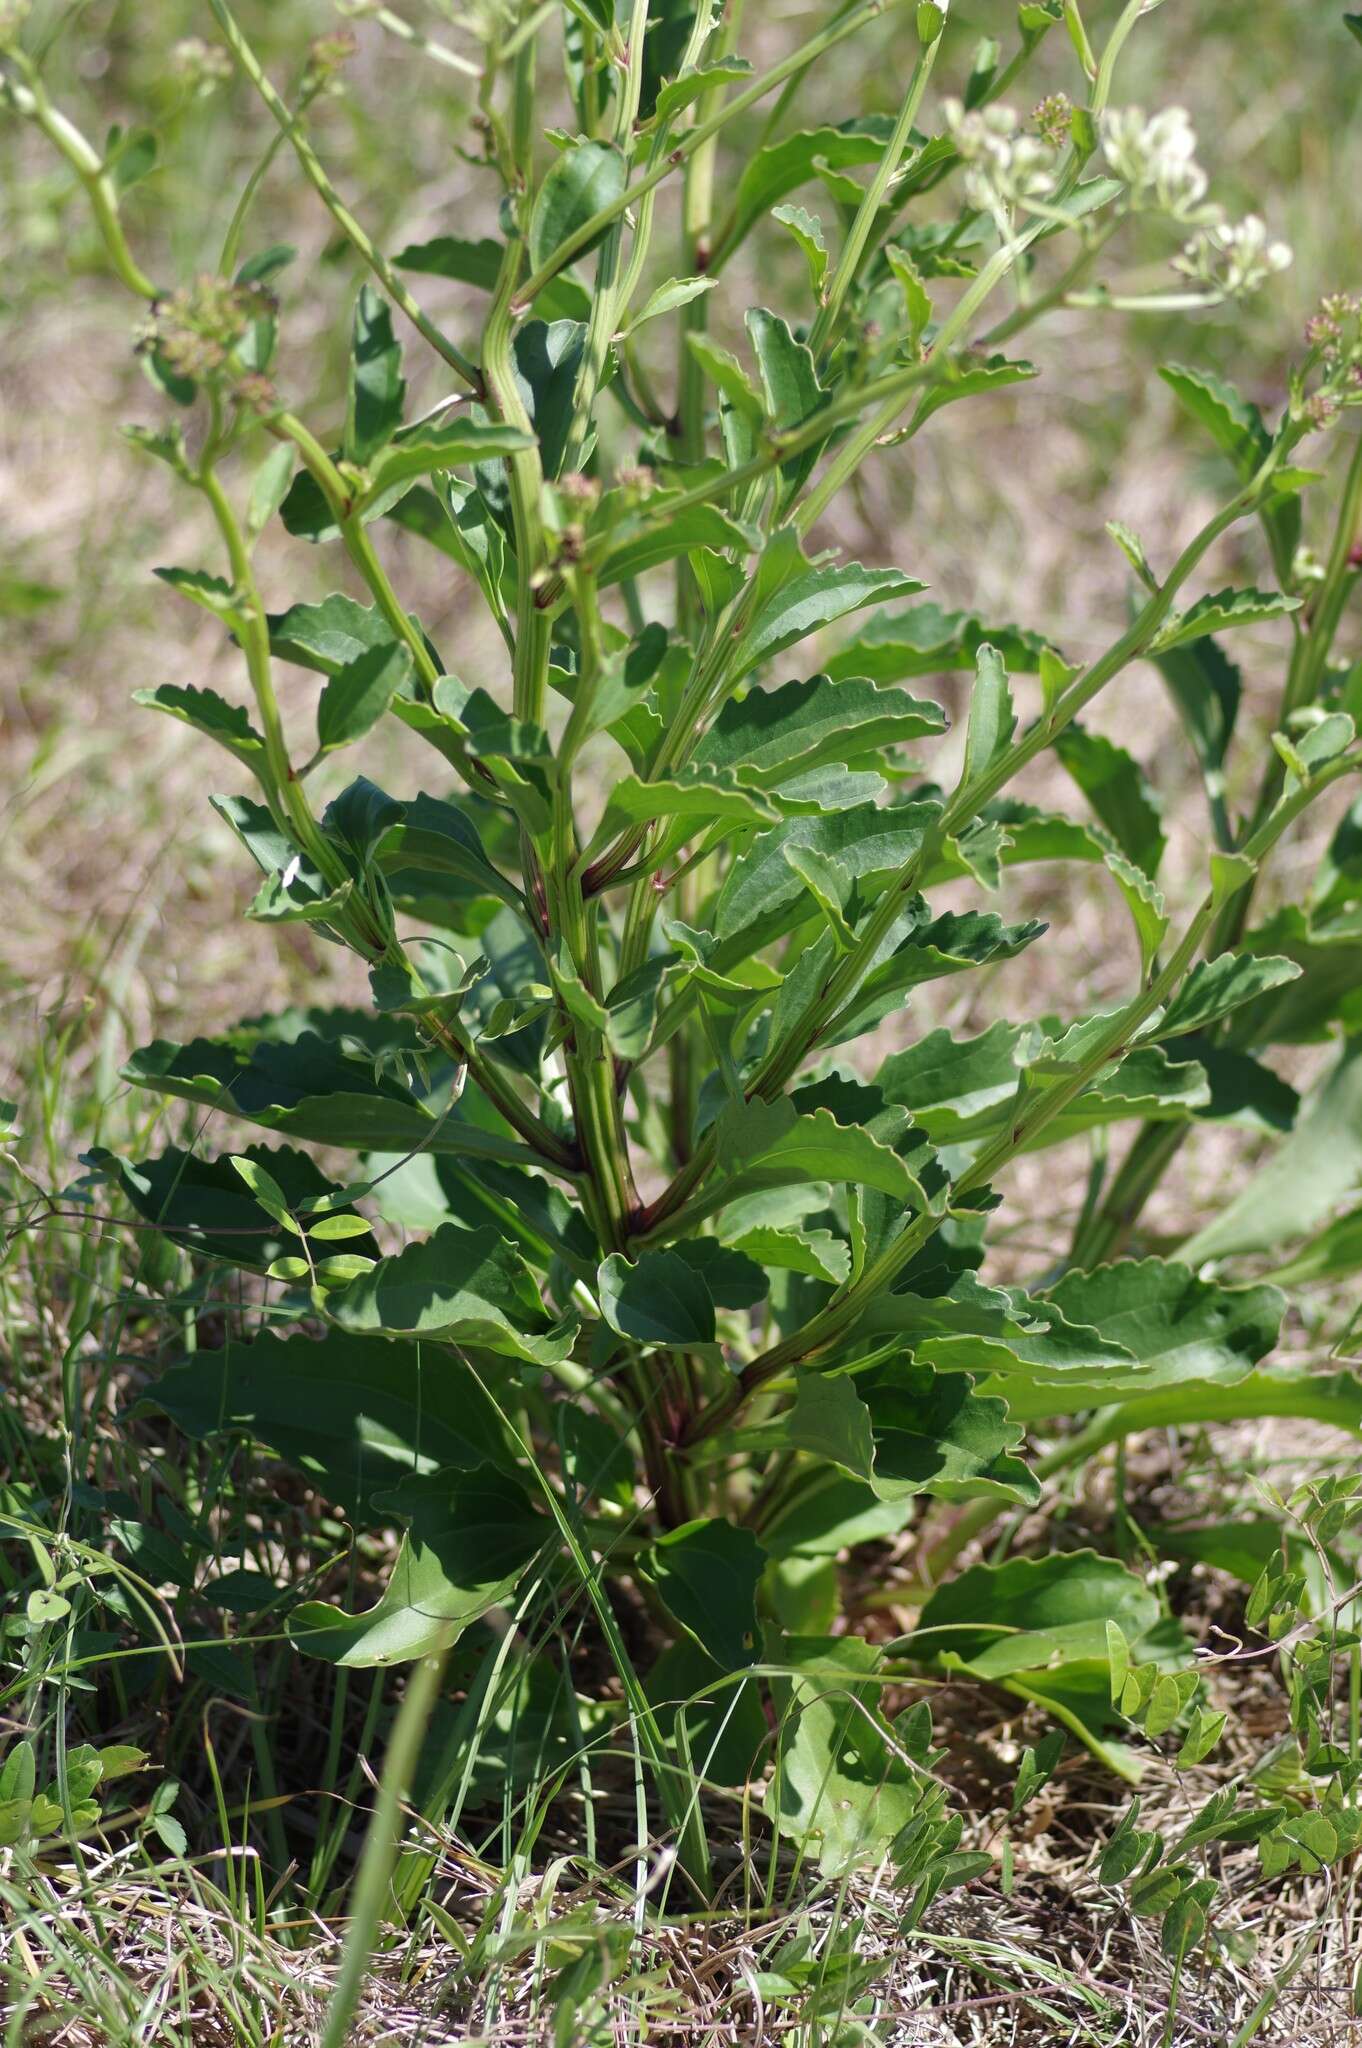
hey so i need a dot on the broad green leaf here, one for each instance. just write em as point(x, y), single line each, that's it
point(1206, 687)
point(790, 1249)
point(1031, 1613)
point(667, 297)
point(585, 178)
point(697, 794)
point(905, 1430)
point(354, 1413)
point(641, 543)
point(773, 736)
point(661, 1299)
point(1234, 424)
point(680, 93)
point(456, 1287)
point(726, 374)
point(1304, 1011)
point(357, 696)
point(925, 640)
point(950, 944)
point(843, 1786)
point(1144, 901)
point(439, 838)
point(1115, 787)
point(547, 359)
point(328, 636)
point(1335, 1254)
point(1178, 1328)
point(1005, 1332)
point(479, 263)
point(1334, 1399)
point(1221, 611)
point(789, 380)
point(780, 167)
point(966, 376)
point(226, 723)
point(762, 896)
point(1318, 1165)
point(377, 386)
point(706, 1573)
point(815, 598)
point(963, 1090)
point(444, 447)
point(471, 1537)
point(770, 1145)
point(212, 593)
point(204, 1206)
point(1217, 987)
point(313, 1090)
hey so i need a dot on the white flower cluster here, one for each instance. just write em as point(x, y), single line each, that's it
point(1236, 257)
point(1003, 165)
point(1156, 159)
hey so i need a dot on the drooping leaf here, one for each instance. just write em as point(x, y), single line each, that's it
point(706, 1573)
point(208, 713)
point(457, 1287)
point(1120, 797)
point(479, 263)
point(377, 386)
point(1234, 424)
point(357, 696)
point(660, 1299)
point(471, 1537)
point(907, 1430)
point(356, 1414)
point(1031, 1613)
point(1317, 1166)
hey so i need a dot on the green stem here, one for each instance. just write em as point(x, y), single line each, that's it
point(316, 174)
point(798, 60)
point(30, 99)
point(854, 248)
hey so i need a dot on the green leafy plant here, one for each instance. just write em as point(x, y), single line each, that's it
point(661, 1256)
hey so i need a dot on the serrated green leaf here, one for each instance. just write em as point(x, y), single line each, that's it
point(1221, 611)
point(456, 1287)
